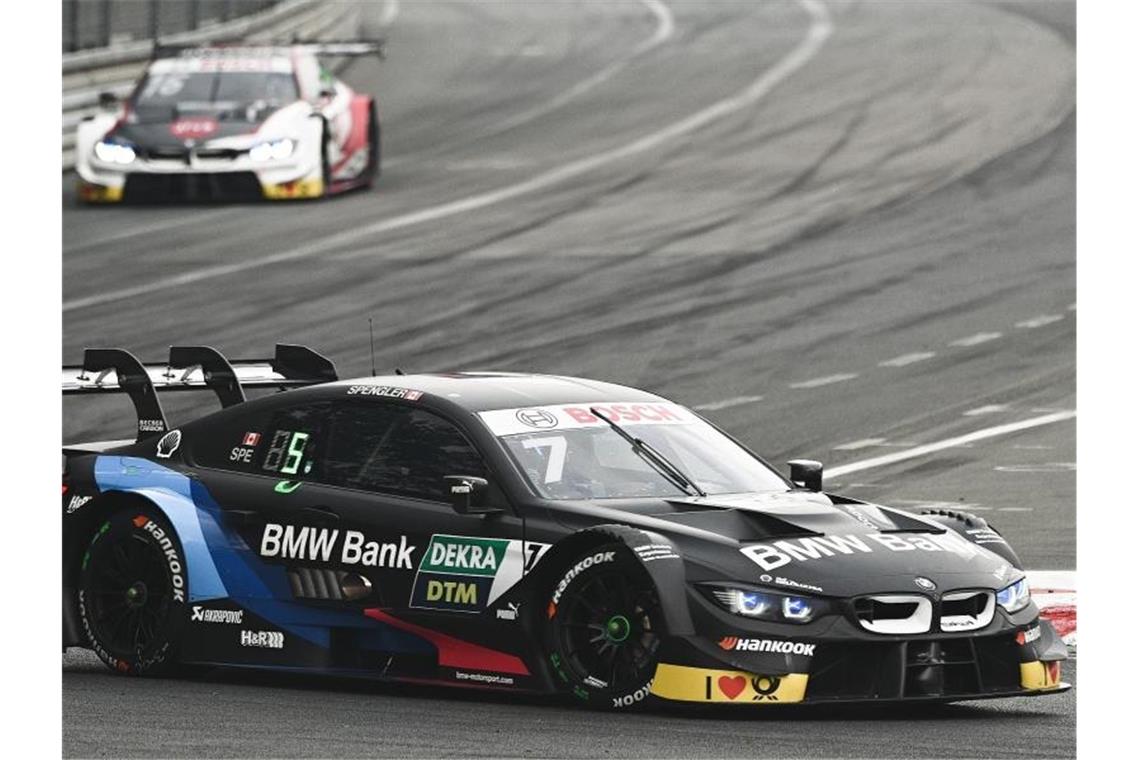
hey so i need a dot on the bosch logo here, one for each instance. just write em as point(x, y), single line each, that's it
point(925, 583)
point(536, 418)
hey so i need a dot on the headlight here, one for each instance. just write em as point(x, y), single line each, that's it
point(765, 605)
point(114, 152)
point(272, 151)
point(1015, 596)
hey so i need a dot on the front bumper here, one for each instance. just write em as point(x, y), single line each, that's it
point(831, 660)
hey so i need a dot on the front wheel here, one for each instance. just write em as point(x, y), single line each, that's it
point(604, 628)
point(133, 592)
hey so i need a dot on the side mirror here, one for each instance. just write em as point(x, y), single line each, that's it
point(108, 101)
point(807, 473)
point(468, 494)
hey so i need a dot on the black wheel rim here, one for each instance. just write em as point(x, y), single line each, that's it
point(608, 630)
point(129, 594)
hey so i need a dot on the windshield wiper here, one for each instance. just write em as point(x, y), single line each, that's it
point(654, 459)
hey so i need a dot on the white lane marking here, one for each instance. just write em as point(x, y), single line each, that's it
point(1053, 581)
point(905, 359)
point(920, 504)
point(807, 48)
point(860, 444)
point(666, 26)
point(1032, 447)
point(712, 406)
point(816, 382)
point(390, 11)
point(988, 409)
point(976, 339)
point(1038, 468)
point(930, 448)
point(1015, 509)
point(1041, 321)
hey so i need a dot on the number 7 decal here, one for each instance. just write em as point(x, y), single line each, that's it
point(556, 457)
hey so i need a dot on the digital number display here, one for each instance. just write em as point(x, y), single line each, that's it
point(286, 454)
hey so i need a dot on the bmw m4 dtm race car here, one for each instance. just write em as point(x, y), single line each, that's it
point(233, 123)
point(520, 532)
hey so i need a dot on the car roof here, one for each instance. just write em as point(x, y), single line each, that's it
point(484, 391)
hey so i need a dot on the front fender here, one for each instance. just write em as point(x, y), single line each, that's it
point(657, 554)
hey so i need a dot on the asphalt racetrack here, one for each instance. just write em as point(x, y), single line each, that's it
point(843, 230)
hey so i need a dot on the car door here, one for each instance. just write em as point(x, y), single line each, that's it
point(382, 474)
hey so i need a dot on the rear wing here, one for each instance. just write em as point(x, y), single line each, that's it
point(334, 48)
point(189, 368)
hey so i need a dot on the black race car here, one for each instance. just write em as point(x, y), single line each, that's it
point(512, 531)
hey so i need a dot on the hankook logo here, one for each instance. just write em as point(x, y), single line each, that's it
point(536, 418)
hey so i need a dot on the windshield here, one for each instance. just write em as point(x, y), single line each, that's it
point(577, 456)
point(164, 94)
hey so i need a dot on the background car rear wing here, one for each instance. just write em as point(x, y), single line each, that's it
point(316, 47)
point(115, 370)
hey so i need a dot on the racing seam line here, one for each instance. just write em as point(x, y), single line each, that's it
point(930, 448)
point(811, 43)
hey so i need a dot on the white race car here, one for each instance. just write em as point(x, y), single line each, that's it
point(233, 123)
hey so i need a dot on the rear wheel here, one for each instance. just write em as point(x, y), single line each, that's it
point(132, 592)
point(604, 628)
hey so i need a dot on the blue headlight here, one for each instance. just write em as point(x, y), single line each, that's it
point(752, 603)
point(762, 605)
point(1015, 596)
point(797, 608)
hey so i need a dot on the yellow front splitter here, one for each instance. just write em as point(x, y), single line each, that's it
point(295, 190)
point(90, 192)
point(686, 684)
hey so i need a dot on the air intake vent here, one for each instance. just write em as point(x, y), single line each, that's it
point(894, 613)
point(967, 610)
point(316, 583)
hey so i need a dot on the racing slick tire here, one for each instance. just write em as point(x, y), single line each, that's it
point(133, 592)
point(326, 169)
point(604, 628)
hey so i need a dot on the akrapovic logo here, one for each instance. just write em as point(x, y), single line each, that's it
point(767, 645)
point(173, 561)
point(204, 615)
point(263, 639)
point(583, 564)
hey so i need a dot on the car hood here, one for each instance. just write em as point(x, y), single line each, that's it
point(812, 542)
point(154, 129)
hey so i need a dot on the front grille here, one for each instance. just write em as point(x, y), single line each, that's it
point(966, 610)
point(218, 154)
point(222, 186)
point(894, 613)
point(917, 668)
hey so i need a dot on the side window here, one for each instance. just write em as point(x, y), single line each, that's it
point(284, 442)
point(393, 449)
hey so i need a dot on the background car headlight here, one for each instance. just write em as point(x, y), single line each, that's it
point(765, 605)
point(1015, 596)
point(272, 151)
point(114, 152)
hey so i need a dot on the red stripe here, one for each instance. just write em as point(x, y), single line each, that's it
point(1062, 616)
point(453, 652)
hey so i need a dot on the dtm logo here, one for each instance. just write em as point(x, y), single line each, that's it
point(263, 639)
point(729, 643)
point(536, 418)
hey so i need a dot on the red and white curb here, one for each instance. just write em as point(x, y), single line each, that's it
point(1055, 592)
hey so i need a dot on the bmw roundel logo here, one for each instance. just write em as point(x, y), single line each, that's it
point(536, 418)
point(925, 583)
